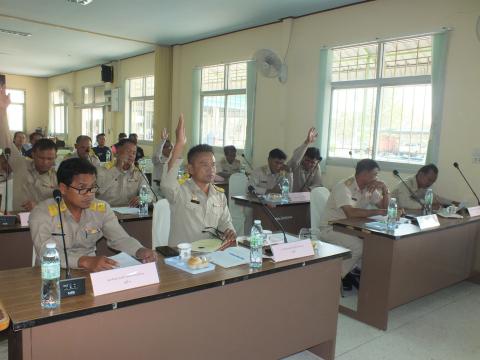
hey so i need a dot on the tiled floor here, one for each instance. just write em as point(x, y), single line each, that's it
point(441, 326)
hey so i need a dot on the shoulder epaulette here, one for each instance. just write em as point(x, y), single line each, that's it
point(53, 210)
point(110, 164)
point(349, 181)
point(218, 188)
point(98, 206)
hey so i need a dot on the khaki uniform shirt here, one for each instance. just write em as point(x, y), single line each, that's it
point(303, 180)
point(80, 237)
point(92, 157)
point(118, 187)
point(345, 193)
point(192, 210)
point(227, 168)
point(407, 201)
point(262, 179)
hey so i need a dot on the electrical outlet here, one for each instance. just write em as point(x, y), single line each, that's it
point(476, 156)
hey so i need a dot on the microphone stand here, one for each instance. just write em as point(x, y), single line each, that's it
point(57, 200)
point(7, 171)
point(146, 179)
point(248, 163)
point(252, 191)
point(455, 164)
point(412, 194)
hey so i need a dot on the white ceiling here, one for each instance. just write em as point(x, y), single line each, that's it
point(67, 37)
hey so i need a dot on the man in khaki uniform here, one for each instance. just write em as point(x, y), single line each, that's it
point(33, 180)
point(85, 221)
point(198, 208)
point(83, 150)
point(304, 164)
point(359, 196)
point(424, 179)
point(120, 180)
point(229, 164)
point(266, 179)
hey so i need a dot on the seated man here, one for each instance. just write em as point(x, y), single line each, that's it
point(266, 179)
point(120, 180)
point(102, 151)
point(33, 180)
point(160, 158)
point(121, 136)
point(305, 164)
point(83, 150)
point(19, 140)
point(424, 179)
point(85, 221)
point(33, 137)
point(229, 164)
point(354, 198)
point(139, 155)
point(198, 208)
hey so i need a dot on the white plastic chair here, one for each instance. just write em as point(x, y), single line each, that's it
point(160, 223)
point(318, 202)
point(237, 185)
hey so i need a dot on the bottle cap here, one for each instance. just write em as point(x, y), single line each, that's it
point(257, 222)
point(51, 245)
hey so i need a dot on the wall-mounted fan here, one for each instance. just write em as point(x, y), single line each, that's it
point(270, 65)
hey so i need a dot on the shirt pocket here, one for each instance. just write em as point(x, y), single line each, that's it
point(92, 233)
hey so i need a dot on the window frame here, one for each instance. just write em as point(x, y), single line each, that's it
point(379, 82)
point(24, 104)
point(144, 98)
point(65, 113)
point(225, 92)
point(93, 105)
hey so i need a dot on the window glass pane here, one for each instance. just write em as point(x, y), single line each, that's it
point(148, 126)
point(136, 87)
point(59, 120)
point(236, 126)
point(58, 97)
point(15, 117)
point(408, 57)
point(213, 118)
point(97, 122)
point(352, 122)
point(213, 78)
point(355, 63)
point(404, 124)
point(99, 94)
point(237, 76)
point(16, 96)
point(149, 85)
point(88, 95)
point(86, 122)
point(137, 117)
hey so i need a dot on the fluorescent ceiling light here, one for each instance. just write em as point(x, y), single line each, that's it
point(14, 32)
point(80, 2)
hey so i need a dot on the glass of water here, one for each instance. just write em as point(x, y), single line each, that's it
point(305, 233)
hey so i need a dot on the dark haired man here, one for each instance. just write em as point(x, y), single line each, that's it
point(120, 180)
point(33, 138)
point(266, 179)
point(359, 196)
point(83, 150)
point(229, 164)
point(33, 180)
point(424, 179)
point(140, 154)
point(305, 163)
point(102, 151)
point(85, 220)
point(198, 208)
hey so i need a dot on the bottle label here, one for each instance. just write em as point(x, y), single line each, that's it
point(50, 271)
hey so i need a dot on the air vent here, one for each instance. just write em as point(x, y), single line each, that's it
point(80, 2)
point(14, 32)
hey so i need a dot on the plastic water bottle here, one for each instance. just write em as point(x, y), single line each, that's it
point(143, 197)
point(256, 245)
point(392, 215)
point(428, 201)
point(108, 156)
point(285, 187)
point(50, 292)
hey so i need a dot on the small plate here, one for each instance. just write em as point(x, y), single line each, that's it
point(206, 245)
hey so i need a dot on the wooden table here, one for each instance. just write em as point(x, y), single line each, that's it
point(235, 313)
point(293, 215)
point(408, 264)
point(16, 241)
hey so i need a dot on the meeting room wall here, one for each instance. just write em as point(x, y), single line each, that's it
point(36, 99)
point(284, 112)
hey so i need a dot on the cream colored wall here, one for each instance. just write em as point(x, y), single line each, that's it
point(36, 99)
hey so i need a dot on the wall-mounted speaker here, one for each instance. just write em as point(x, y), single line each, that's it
point(107, 73)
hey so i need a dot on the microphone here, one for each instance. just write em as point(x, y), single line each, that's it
point(412, 194)
point(146, 179)
point(252, 191)
point(455, 164)
point(68, 286)
point(351, 159)
point(248, 163)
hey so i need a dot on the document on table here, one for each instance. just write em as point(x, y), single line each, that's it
point(125, 260)
point(126, 210)
point(230, 257)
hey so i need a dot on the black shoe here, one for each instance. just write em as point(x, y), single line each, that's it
point(346, 284)
point(353, 280)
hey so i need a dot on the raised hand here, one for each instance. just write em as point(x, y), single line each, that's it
point(4, 99)
point(181, 138)
point(164, 134)
point(311, 136)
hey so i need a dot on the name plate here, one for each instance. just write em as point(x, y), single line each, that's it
point(428, 221)
point(474, 211)
point(292, 250)
point(109, 281)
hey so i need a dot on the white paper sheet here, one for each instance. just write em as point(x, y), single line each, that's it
point(125, 260)
point(126, 210)
point(230, 257)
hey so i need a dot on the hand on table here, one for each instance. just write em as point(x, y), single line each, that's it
point(96, 263)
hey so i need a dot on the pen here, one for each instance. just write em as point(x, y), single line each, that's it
point(235, 255)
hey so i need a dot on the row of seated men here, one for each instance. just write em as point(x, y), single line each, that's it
point(197, 206)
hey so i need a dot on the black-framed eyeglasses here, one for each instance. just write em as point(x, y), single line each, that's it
point(85, 191)
point(214, 232)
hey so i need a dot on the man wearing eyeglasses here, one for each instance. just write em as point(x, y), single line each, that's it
point(199, 209)
point(85, 221)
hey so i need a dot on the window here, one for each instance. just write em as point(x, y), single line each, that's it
point(381, 101)
point(223, 105)
point(16, 110)
point(92, 110)
point(58, 113)
point(140, 106)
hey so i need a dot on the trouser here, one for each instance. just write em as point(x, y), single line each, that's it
point(353, 243)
